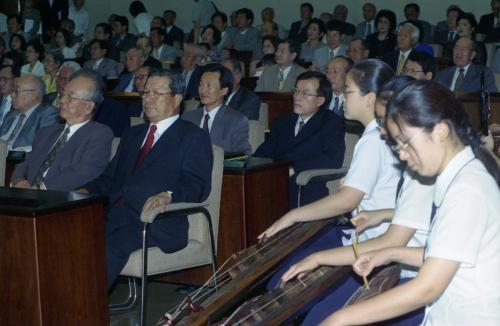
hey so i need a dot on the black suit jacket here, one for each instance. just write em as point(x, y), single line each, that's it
point(114, 115)
point(175, 34)
point(319, 145)
point(486, 23)
point(247, 102)
point(392, 59)
point(52, 15)
point(297, 34)
point(180, 161)
point(192, 86)
point(124, 45)
point(349, 29)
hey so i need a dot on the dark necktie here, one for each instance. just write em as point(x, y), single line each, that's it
point(336, 105)
point(400, 186)
point(460, 79)
point(51, 156)
point(451, 36)
point(433, 212)
point(301, 125)
point(205, 123)
point(148, 144)
point(17, 128)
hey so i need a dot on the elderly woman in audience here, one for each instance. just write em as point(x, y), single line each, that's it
point(315, 31)
point(269, 46)
point(17, 45)
point(52, 60)
point(383, 41)
point(467, 27)
point(34, 52)
point(63, 40)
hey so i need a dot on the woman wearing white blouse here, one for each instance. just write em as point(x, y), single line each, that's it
point(34, 51)
point(63, 40)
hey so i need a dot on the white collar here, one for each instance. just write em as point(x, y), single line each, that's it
point(286, 70)
point(161, 127)
point(74, 128)
point(299, 118)
point(212, 112)
point(466, 68)
point(370, 127)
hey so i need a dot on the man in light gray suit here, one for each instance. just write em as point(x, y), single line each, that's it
point(367, 26)
point(21, 125)
point(67, 156)
point(161, 50)
point(335, 47)
point(7, 76)
point(281, 77)
point(98, 62)
point(228, 128)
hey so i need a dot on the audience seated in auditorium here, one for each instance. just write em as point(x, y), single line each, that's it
point(336, 72)
point(134, 60)
point(144, 43)
point(175, 35)
point(335, 46)
point(315, 32)
point(142, 19)
point(406, 42)
point(267, 15)
point(17, 46)
point(63, 43)
point(241, 98)
point(219, 20)
point(14, 26)
point(446, 31)
point(103, 32)
point(383, 41)
point(201, 15)
point(467, 27)
point(210, 36)
point(98, 62)
point(191, 71)
point(412, 14)
point(465, 75)
point(137, 179)
point(268, 29)
point(63, 75)
point(140, 78)
point(281, 77)
point(52, 62)
point(20, 125)
point(340, 13)
point(246, 37)
point(368, 25)
point(67, 156)
point(269, 46)
point(161, 51)
point(34, 53)
point(357, 50)
point(122, 39)
point(298, 29)
point(489, 21)
point(228, 128)
point(312, 137)
point(7, 76)
point(420, 65)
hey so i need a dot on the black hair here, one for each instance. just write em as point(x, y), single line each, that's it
point(103, 45)
point(454, 8)
point(106, 28)
point(390, 15)
point(122, 20)
point(16, 62)
point(222, 16)
point(225, 76)
point(67, 21)
point(97, 90)
point(161, 19)
point(364, 44)
point(392, 86)
point(21, 38)
point(308, 5)
point(414, 6)
point(370, 75)
point(136, 8)
point(471, 19)
point(38, 47)
point(321, 25)
point(57, 55)
point(424, 104)
point(335, 25)
point(247, 12)
point(292, 46)
point(268, 59)
point(324, 86)
point(13, 69)
point(66, 35)
point(348, 61)
point(215, 31)
point(169, 11)
point(275, 41)
point(17, 17)
point(424, 60)
point(161, 32)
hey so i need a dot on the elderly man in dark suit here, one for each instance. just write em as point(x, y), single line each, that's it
point(228, 128)
point(134, 60)
point(465, 76)
point(21, 125)
point(312, 137)
point(122, 39)
point(241, 99)
point(164, 161)
point(67, 156)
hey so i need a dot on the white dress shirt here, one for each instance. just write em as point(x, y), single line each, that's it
point(161, 127)
point(297, 124)
point(38, 69)
point(142, 23)
point(81, 19)
point(212, 115)
point(455, 76)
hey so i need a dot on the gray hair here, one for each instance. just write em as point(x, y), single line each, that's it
point(415, 32)
point(41, 84)
point(176, 82)
point(96, 92)
point(57, 55)
point(71, 64)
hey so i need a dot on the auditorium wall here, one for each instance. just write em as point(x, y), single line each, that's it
point(286, 10)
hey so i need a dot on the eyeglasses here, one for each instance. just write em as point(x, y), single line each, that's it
point(70, 98)
point(154, 93)
point(404, 145)
point(18, 91)
point(300, 92)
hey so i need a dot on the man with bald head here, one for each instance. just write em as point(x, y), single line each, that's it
point(66, 156)
point(29, 115)
point(465, 76)
point(135, 58)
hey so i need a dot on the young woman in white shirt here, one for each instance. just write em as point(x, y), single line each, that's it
point(34, 51)
point(458, 279)
point(372, 178)
point(63, 40)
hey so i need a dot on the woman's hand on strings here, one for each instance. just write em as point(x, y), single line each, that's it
point(367, 219)
point(284, 222)
point(300, 269)
point(366, 262)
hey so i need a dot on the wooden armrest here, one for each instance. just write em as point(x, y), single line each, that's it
point(320, 175)
point(150, 216)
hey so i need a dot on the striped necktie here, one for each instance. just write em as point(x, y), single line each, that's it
point(401, 64)
point(281, 79)
point(51, 156)
point(17, 128)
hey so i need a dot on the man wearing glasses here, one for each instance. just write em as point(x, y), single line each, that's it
point(21, 125)
point(66, 156)
point(312, 137)
point(7, 75)
point(166, 160)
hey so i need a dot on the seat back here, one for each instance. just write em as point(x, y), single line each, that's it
point(114, 147)
point(197, 224)
point(264, 114)
point(134, 121)
point(438, 50)
point(256, 134)
point(490, 54)
point(351, 140)
point(3, 161)
point(190, 105)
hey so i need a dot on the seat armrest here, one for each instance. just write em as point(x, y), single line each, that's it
point(320, 175)
point(150, 216)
